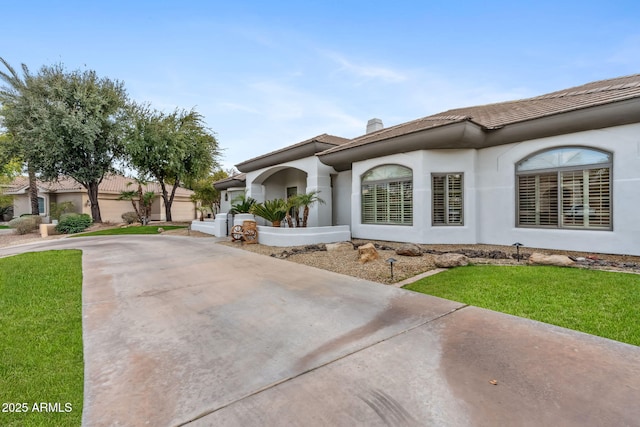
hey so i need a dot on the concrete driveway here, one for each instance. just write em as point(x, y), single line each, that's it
point(181, 331)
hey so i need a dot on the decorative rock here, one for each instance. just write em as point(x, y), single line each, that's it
point(558, 260)
point(409, 249)
point(340, 246)
point(367, 253)
point(160, 230)
point(450, 260)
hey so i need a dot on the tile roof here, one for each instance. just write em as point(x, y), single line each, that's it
point(111, 184)
point(495, 116)
point(324, 138)
point(236, 177)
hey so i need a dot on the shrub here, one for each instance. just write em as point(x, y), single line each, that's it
point(73, 223)
point(271, 210)
point(25, 223)
point(130, 217)
point(59, 209)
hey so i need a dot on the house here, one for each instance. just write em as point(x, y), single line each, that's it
point(67, 189)
point(558, 171)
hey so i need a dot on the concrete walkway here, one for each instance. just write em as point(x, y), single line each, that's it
point(180, 331)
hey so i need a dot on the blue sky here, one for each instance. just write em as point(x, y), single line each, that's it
point(269, 74)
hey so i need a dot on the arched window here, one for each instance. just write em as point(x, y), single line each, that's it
point(567, 187)
point(387, 195)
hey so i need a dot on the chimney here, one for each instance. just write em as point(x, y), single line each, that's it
point(374, 125)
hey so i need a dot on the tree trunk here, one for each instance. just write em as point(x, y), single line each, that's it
point(92, 189)
point(305, 216)
point(165, 198)
point(33, 191)
point(168, 200)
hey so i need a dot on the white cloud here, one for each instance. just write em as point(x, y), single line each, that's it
point(366, 71)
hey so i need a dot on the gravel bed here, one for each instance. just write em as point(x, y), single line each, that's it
point(407, 267)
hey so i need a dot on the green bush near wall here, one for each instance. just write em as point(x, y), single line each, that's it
point(73, 223)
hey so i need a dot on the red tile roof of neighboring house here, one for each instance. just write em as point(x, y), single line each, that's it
point(111, 184)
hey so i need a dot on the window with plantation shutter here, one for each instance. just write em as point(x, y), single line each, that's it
point(567, 187)
point(387, 195)
point(447, 199)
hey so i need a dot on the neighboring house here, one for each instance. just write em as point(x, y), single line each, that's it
point(111, 209)
point(561, 170)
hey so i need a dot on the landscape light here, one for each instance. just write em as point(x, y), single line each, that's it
point(391, 261)
point(517, 245)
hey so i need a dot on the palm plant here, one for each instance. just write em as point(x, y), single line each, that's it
point(144, 199)
point(273, 211)
point(15, 91)
point(242, 204)
point(307, 200)
point(292, 206)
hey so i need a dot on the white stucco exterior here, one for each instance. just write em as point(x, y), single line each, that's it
point(307, 175)
point(588, 201)
point(490, 198)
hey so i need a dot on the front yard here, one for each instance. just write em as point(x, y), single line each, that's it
point(596, 302)
point(41, 374)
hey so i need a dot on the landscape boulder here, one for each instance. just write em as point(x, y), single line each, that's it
point(339, 247)
point(557, 260)
point(367, 253)
point(450, 260)
point(409, 249)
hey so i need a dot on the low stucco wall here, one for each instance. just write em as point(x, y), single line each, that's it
point(275, 236)
point(206, 226)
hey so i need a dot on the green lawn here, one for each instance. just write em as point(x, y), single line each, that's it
point(41, 353)
point(4, 227)
point(596, 302)
point(145, 229)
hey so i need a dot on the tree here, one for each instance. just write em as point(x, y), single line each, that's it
point(9, 169)
point(144, 199)
point(306, 200)
point(73, 123)
point(13, 96)
point(204, 191)
point(172, 148)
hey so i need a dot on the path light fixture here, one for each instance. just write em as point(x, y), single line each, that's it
point(391, 261)
point(517, 245)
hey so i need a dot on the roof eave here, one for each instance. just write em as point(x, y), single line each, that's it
point(229, 184)
point(597, 117)
point(286, 155)
point(463, 134)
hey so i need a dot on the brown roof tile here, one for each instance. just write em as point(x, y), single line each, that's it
point(495, 116)
point(325, 138)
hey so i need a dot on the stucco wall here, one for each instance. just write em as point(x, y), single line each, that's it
point(496, 172)
point(182, 210)
point(423, 164)
point(490, 199)
point(318, 178)
point(276, 185)
point(74, 198)
point(342, 198)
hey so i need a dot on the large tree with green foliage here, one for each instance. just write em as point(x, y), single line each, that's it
point(172, 148)
point(73, 123)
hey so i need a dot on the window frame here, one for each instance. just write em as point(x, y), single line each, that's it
point(558, 172)
point(447, 200)
point(401, 185)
